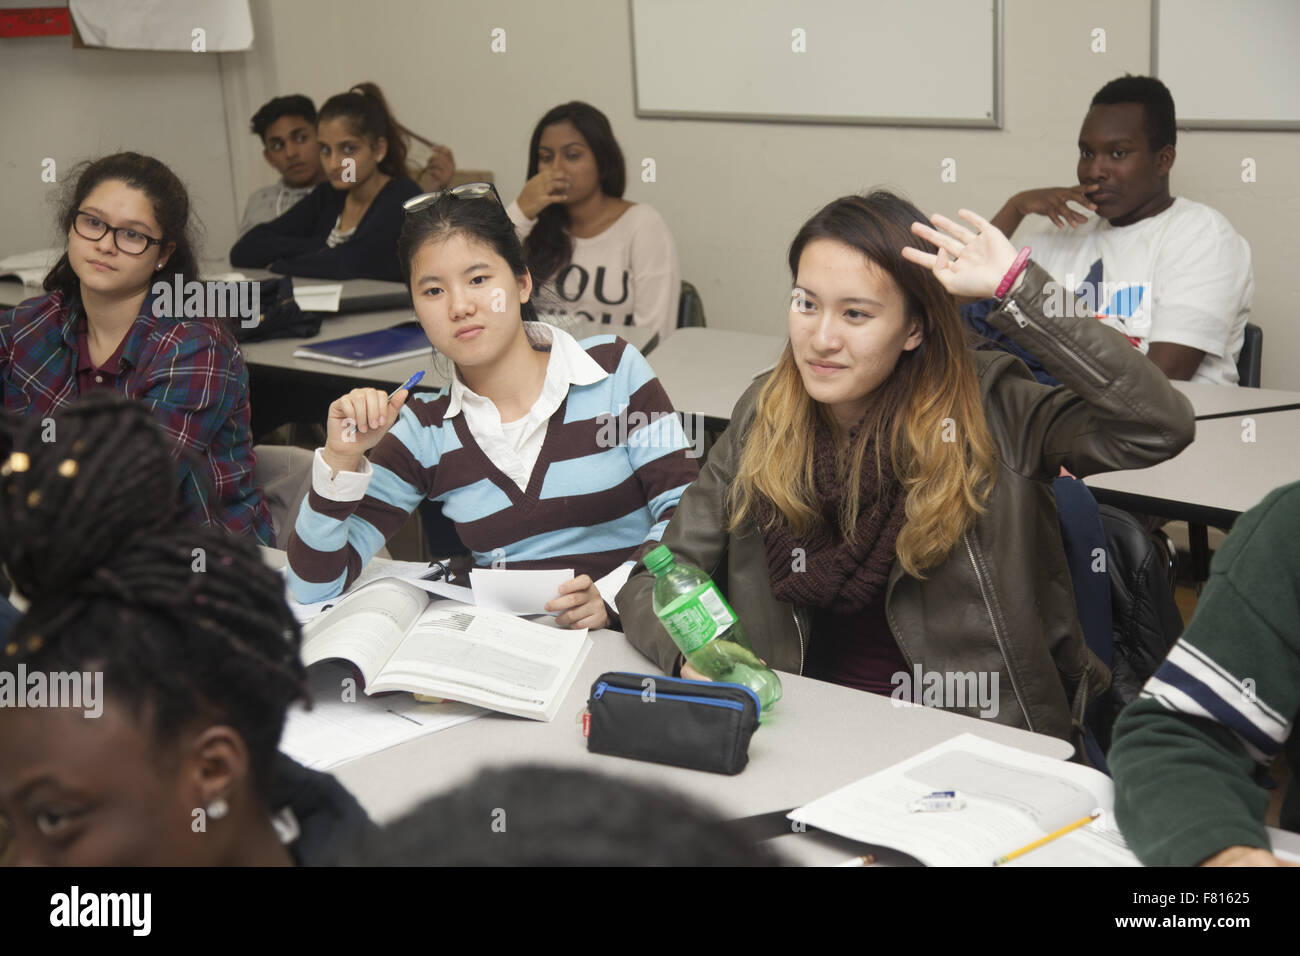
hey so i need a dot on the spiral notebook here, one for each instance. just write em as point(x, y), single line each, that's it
point(371, 348)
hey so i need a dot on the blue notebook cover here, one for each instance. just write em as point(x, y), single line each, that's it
point(371, 348)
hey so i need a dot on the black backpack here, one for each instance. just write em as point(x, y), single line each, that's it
point(281, 318)
point(1146, 620)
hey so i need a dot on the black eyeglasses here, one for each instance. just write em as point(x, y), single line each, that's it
point(463, 191)
point(130, 241)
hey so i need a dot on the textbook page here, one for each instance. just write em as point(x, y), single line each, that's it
point(365, 626)
point(487, 658)
point(344, 724)
point(1012, 799)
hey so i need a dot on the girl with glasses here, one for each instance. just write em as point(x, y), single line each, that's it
point(881, 504)
point(346, 228)
point(593, 253)
point(545, 452)
point(100, 327)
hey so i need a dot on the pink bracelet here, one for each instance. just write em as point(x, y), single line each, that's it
point(1009, 279)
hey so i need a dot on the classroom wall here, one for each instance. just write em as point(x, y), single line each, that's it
point(734, 193)
point(70, 105)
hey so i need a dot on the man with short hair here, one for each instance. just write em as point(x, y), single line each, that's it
point(1170, 273)
point(287, 128)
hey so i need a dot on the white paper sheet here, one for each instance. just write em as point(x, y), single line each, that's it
point(612, 583)
point(336, 730)
point(318, 298)
point(1012, 799)
point(516, 592)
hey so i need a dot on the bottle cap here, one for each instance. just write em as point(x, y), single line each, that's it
point(659, 559)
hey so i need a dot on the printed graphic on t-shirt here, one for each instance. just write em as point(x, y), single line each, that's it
point(572, 282)
point(1121, 305)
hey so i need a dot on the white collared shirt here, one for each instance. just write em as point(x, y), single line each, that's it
point(514, 447)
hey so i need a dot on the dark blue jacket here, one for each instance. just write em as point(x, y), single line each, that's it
point(294, 244)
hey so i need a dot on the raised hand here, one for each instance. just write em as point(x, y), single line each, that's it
point(968, 263)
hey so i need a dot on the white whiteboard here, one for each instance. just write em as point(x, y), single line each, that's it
point(937, 63)
point(1229, 65)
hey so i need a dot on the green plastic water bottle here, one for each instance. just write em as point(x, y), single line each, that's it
point(706, 629)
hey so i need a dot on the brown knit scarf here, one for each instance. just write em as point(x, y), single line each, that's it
point(843, 577)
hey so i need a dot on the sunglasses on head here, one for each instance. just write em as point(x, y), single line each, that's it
point(463, 191)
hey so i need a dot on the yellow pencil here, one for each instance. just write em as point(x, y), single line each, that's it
point(1047, 839)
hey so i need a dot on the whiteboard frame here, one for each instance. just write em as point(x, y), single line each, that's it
point(994, 122)
point(1200, 123)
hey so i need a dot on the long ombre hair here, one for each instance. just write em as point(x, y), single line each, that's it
point(927, 413)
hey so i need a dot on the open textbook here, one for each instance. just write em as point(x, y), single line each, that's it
point(402, 637)
point(1012, 799)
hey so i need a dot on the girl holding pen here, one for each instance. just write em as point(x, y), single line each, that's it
point(544, 451)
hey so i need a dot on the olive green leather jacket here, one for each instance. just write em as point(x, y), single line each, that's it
point(1001, 602)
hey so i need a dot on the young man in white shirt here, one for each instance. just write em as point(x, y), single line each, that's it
point(1170, 273)
point(287, 128)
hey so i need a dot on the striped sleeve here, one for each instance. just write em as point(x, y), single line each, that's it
point(662, 457)
point(334, 539)
point(1189, 752)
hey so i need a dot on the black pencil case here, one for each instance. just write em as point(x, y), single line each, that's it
point(701, 725)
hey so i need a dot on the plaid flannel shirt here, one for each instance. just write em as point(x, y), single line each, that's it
point(194, 383)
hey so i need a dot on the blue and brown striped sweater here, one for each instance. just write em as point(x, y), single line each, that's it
point(612, 468)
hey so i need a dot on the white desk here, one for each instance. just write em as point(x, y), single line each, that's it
point(1223, 401)
point(820, 737)
point(359, 295)
point(1217, 477)
point(705, 371)
point(276, 355)
point(287, 389)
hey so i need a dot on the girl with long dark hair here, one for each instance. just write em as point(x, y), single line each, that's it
point(592, 253)
point(880, 509)
point(347, 227)
point(545, 452)
point(127, 224)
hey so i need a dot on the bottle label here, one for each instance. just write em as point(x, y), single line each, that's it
point(695, 619)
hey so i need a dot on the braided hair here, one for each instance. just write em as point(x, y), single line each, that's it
point(186, 622)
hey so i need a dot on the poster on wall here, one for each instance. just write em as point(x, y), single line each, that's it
point(189, 26)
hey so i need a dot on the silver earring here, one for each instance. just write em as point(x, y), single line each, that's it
point(217, 808)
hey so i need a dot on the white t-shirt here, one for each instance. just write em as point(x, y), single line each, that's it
point(1181, 276)
point(627, 275)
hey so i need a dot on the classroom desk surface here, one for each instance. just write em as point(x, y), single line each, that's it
point(1217, 477)
point(358, 295)
point(1222, 401)
point(286, 389)
point(277, 354)
point(820, 737)
point(705, 371)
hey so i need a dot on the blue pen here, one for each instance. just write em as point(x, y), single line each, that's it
point(413, 380)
